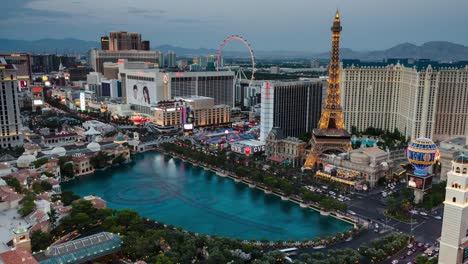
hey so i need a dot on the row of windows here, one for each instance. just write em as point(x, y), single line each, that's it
point(140, 78)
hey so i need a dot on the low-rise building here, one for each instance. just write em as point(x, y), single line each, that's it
point(82, 165)
point(280, 148)
point(367, 164)
point(59, 139)
point(9, 198)
point(193, 111)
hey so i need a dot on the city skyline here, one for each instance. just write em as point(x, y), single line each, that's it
point(208, 23)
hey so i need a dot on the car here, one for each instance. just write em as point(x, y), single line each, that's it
point(420, 244)
point(395, 261)
point(438, 217)
point(436, 249)
point(409, 253)
point(423, 213)
point(376, 225)
point(376, 230)
point(352, 212)
point(410, 246)
point(427, 245)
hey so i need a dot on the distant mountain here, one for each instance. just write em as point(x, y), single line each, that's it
point(436, 50)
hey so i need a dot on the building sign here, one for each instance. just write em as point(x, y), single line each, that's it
point(246, 149)
point(82, 101)
point(38, 102)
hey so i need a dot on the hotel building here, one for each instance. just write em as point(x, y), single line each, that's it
point(162, 86)
point(10, 121)
point(421, 99)
point(293, 106)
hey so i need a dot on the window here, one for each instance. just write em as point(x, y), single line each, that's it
point(454, 199)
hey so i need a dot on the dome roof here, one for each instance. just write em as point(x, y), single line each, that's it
point(92, 132)
point(60, 151)
point(461, 159)
point(26, 158)
point(94, 147)
point(119, 139)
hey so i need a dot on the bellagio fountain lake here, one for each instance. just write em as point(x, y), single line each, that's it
point(175, 192)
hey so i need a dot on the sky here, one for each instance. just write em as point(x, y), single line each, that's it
point(294, 25)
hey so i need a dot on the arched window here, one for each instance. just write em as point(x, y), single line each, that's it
point(457, 170)
point(454, 199)
point(464, 171)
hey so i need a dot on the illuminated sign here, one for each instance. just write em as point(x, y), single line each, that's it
point(45, 78)
point(188, 126)
point(36, 89)
point(82, 101)
point(38, 102)
point(23, 85)
point(179, 74)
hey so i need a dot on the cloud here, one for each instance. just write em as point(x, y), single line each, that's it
point(134, 10)
point(187, 20)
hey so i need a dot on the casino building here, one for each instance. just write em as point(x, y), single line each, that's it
point(421, 98)
point(190, 112)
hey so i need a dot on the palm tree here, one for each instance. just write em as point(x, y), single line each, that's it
point(52, 217)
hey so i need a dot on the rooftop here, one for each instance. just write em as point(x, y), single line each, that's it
point(420, 64)
point(81, 250)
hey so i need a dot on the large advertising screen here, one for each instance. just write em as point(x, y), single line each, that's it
point(141, 92)
point(419, 182)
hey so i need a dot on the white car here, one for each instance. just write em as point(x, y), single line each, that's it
point(351, 212)
point(438, 217)
point(423, 213)
point(395, 261)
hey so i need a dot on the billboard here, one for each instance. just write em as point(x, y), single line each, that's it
point(419, 182)
point(141, 92)
point(82, 101)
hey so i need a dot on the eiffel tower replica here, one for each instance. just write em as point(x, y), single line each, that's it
point(330, 136)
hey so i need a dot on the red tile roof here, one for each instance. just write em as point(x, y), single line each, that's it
point(17, 256)
point(276, 159)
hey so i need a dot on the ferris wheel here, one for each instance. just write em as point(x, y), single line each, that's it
point(246, 44)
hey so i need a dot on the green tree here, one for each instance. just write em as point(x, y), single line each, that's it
point(163, 259)
point(67, 170)
point(52, 217)
point(15, 184)
point(27, 205)
point(37, 187)
point(420, 259)
point(40, 240)
point(67, 197)
point(39, 162)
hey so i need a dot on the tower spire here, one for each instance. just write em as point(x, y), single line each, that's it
point(330, 136)
point(332, 116)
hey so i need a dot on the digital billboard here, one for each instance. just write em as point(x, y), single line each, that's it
point(141, 92)
point(82, 101)
point(419, 182)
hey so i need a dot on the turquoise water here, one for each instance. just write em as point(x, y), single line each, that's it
point(174, 192)
point(369, 142)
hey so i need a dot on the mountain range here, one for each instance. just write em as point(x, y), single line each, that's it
point(436, 50)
